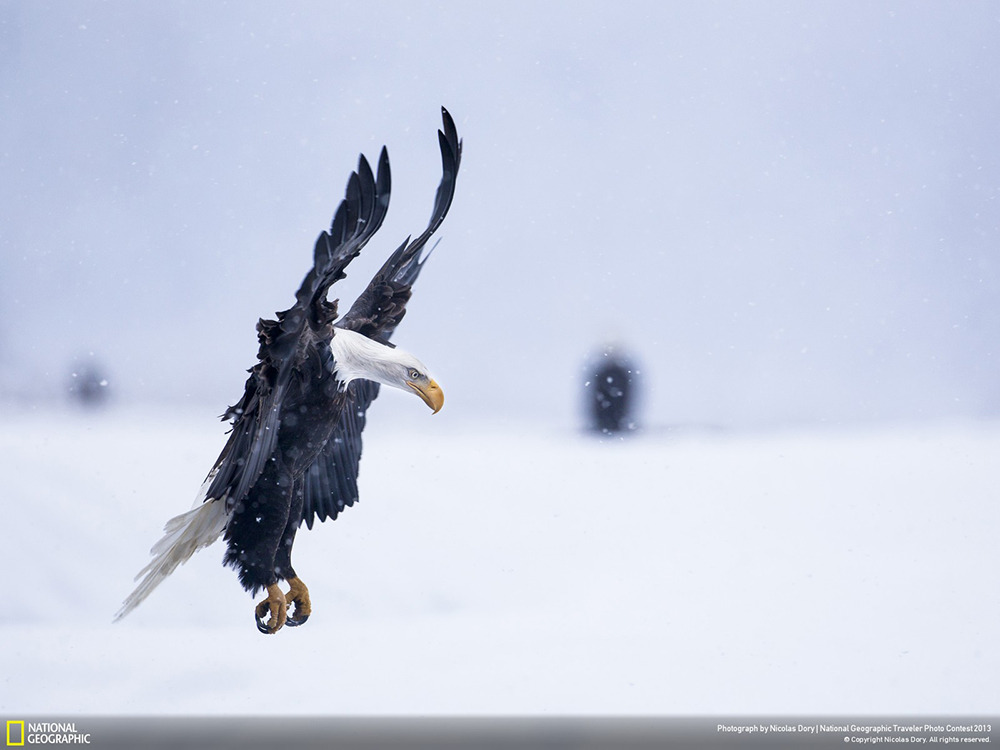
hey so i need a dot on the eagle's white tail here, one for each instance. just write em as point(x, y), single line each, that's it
point(184, 535)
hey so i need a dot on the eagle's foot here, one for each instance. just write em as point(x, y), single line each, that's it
point(298, 595)
point(276, 605)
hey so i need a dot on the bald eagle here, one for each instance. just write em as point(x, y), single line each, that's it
point(293, 451)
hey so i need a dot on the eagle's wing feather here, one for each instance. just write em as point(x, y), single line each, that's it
point(288, 340)
point(382, 305)
point(358, 217)
point(331, 483)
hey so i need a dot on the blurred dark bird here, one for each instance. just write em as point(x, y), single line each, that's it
point(295, 444)
point(610, 387)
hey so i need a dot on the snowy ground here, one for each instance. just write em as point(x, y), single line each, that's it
point(504, 570)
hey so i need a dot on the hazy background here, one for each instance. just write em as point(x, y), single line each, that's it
point(787, 211)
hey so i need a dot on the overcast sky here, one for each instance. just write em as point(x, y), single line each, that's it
point(785, 211)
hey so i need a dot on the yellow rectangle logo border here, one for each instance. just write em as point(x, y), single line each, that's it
point(15, 722)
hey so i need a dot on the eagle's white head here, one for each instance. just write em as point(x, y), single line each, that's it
point(358, 356)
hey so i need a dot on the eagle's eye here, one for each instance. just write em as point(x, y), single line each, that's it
point(414, 375)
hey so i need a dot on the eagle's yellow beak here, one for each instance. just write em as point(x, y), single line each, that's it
point(431, 394)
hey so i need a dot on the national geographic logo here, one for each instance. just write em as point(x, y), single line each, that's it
point(20, 733)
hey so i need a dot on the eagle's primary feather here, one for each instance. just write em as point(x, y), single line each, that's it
point(295, 444)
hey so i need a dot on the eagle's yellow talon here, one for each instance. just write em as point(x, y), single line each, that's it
point(298, 595)
point(276, 606)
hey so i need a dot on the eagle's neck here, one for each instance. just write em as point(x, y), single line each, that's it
point(357, 356)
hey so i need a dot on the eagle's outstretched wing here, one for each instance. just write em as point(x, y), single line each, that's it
point(381, 306)
point(331, 483)
point(304, 330)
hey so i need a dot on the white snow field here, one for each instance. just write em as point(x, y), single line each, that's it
point(522, 570)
